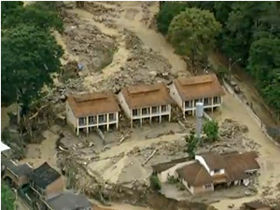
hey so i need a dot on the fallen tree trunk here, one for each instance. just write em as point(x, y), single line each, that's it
point(150, 157)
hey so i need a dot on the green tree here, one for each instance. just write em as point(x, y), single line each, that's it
point(264, 65)
point(167, 12)
point(192, 143)
point(29, 51)
point(193, 33)
point(7, 197)
point(245, 20)
point(155, 183)
point(222, 10)
point(211, 129)
point(39, 14)
point(29, 56)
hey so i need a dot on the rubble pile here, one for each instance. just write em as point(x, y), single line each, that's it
point(94, 49)
point(231, 139)
point(93, 185)
point(102, 14)
point(142, 66)
point(146, 19)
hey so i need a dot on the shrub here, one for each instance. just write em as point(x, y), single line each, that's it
point(211, 129)
point(155, 183)
point(7, 197)
point(172, 180)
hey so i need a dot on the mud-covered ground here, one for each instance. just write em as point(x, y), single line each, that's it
point(117, 45)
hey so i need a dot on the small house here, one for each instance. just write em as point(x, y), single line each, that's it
point(16, 175)
point(146, 102)
point(195, 178)
point(68, 201)
point(46, 182)
point(211, 170)
point(92, 110)
point(187, 91)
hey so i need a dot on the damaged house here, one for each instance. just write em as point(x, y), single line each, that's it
point(146, 103)
point(68, 201)
point(211, 170)
point(46, 182)
point(187, 91)
point(92, 110)
point(14, 174)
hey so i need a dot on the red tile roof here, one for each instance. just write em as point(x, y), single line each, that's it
point(146, 95)
point(93, 103)
point(195, 174)
point(197, 87)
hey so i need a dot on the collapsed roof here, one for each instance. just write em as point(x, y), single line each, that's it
point(44, 175)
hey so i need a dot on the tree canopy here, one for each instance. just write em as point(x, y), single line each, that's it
point(193, 31)
point(29, 51)
point(7, 197)
point(249, 33)
point(211, 129)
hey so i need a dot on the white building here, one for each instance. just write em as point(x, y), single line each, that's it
point(92, 110)
point(210, 170)
point(146, 102)
point(186, 91)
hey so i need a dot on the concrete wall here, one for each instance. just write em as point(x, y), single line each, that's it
point(70, 118)
point(197, 189)
point(175, 96)
point(54, 188)
point(124, 105)
point(202, 189)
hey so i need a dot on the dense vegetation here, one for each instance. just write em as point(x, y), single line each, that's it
point(250, 34)
point(192, 33)
point(29, 51)
point(211, 130)
point(7, 197)
point(192, 143)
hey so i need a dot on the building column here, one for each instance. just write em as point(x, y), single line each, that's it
point(117, 119)
point(160, 114)
point(108, 125)
point(97, 121)
point(184, 111)
point(141, 117)
point(131, 118)
point(193, 107)
point(77, 127)
point(87, 124)
point(169, 109)
point(212, 103)
point(150, 115)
